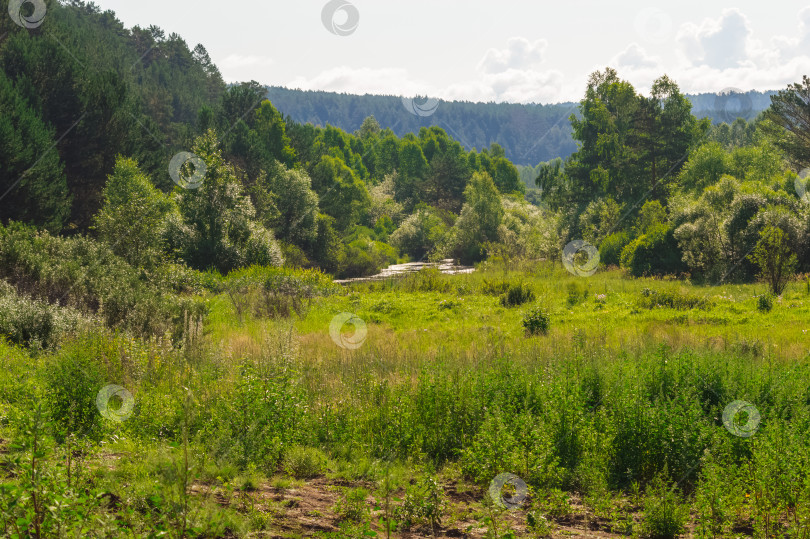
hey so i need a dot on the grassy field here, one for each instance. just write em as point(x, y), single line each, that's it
point(649, 408)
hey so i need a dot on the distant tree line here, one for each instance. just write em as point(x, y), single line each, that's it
point(529, 133)
point(94, 112)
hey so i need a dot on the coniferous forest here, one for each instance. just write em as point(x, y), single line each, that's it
point(607, 333)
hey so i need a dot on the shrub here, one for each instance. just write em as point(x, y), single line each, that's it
point(352, 507)
point(276, 292)
point(610, 250)
point(494, 288)
point(366, 257)
point(32, 323)
point(304, 462)
point(263, 414)
point(665, 515)
point(491, 451)
point(86, 275)
point(554, 503)
point(536, 320)
point(73, 381)
point(671, 299)
point(576, 293)
point(654, 253)
point(294, 257)
point(423, 505)
point(426, 280)
point(517, 294)
point(765, 303)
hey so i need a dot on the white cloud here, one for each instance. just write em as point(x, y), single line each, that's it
point(502, 75)
point(514, 74)
point(635, 57)
point(713, 54)
point(720, 44)
point(786, 48)
point(724, 53)
point(526, 86)
point(520, 53)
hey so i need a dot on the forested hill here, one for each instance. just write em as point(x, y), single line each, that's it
point(529, 134)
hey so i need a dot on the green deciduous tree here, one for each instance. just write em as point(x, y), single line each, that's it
point(132, 219)
point(342, 194)
point(419, 233)
point(217, 224)
point(775, 260)
point(409, 186)
point(506, 177)
point(272, 134)
point(705, 167)
point(297, 204)
point(479, 220)
point(599, 219)
point(651, 214)
point(449, 169)
point(631, 146)
point(327, 249)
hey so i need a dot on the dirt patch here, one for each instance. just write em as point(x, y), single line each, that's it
point(308, 510)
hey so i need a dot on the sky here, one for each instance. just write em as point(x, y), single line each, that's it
point(506, 51)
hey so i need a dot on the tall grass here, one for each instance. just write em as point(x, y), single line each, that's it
point(578, 409)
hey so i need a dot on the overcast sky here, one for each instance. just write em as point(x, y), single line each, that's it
point(510, 50)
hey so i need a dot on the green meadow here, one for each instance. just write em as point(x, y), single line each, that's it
point(193, 343)
point(399, 421)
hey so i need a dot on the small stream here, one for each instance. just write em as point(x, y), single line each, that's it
point(447, 266)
